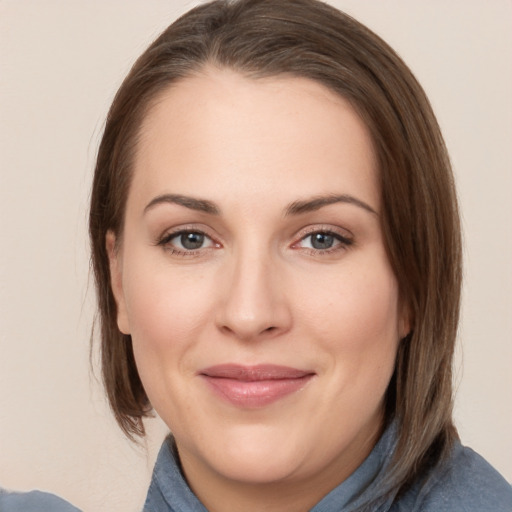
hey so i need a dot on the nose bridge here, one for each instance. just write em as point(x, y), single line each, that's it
point(254, 302)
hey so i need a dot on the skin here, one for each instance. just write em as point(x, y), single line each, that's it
point(259, 290)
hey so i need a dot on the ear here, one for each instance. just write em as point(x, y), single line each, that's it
point(116, 281)
point(404, 321)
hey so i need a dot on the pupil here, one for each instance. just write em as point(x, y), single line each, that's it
point(322, 241)
point(192, 240)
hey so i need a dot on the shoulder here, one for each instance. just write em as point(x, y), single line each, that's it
point(466, 482)
point(34, 501)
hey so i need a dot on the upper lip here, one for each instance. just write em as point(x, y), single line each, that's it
point(254, 372)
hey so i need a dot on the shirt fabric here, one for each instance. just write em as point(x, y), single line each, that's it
point(34, 501)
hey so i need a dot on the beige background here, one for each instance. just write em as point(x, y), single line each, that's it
point(60, 64)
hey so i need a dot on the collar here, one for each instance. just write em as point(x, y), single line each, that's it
point(169, 491)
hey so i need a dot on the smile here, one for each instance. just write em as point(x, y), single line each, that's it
point(254, 386)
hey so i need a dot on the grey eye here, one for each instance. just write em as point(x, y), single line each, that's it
point(191, 240)
point(186, 241)
point(322, 240)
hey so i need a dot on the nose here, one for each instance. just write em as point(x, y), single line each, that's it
point(254, 302)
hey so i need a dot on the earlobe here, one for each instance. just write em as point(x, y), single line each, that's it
point(404, 322)
point(116, 282)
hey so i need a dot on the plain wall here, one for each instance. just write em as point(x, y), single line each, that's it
point(61, 61)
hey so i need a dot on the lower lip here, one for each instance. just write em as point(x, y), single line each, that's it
point(254, 394)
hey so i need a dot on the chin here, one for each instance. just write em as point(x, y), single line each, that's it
point(252, 454)
point(259, 466)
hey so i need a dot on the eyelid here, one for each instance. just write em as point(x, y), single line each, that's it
point(342, 233)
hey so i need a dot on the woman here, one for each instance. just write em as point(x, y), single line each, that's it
point(283, 246)
point(277, 256)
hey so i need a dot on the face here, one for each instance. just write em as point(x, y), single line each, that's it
point(253, 280)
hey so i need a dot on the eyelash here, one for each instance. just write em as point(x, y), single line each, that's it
point(343, 242)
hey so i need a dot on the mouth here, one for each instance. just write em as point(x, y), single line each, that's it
point(254, 386)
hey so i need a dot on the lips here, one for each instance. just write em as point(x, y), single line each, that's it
point(254, 386)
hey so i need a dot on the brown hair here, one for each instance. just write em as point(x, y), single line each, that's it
point(307, 38)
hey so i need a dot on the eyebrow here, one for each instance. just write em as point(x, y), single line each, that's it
point(295, 208)
point(315, 203)
point(201, 205)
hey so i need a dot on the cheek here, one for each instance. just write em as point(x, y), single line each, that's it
point(165, 308)
point(361, 306)
point(355, 320)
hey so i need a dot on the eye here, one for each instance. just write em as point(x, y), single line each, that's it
point(186, 241)
point(189, 241)
point(323, 241)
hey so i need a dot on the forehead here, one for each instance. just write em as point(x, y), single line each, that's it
point(220, 129)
